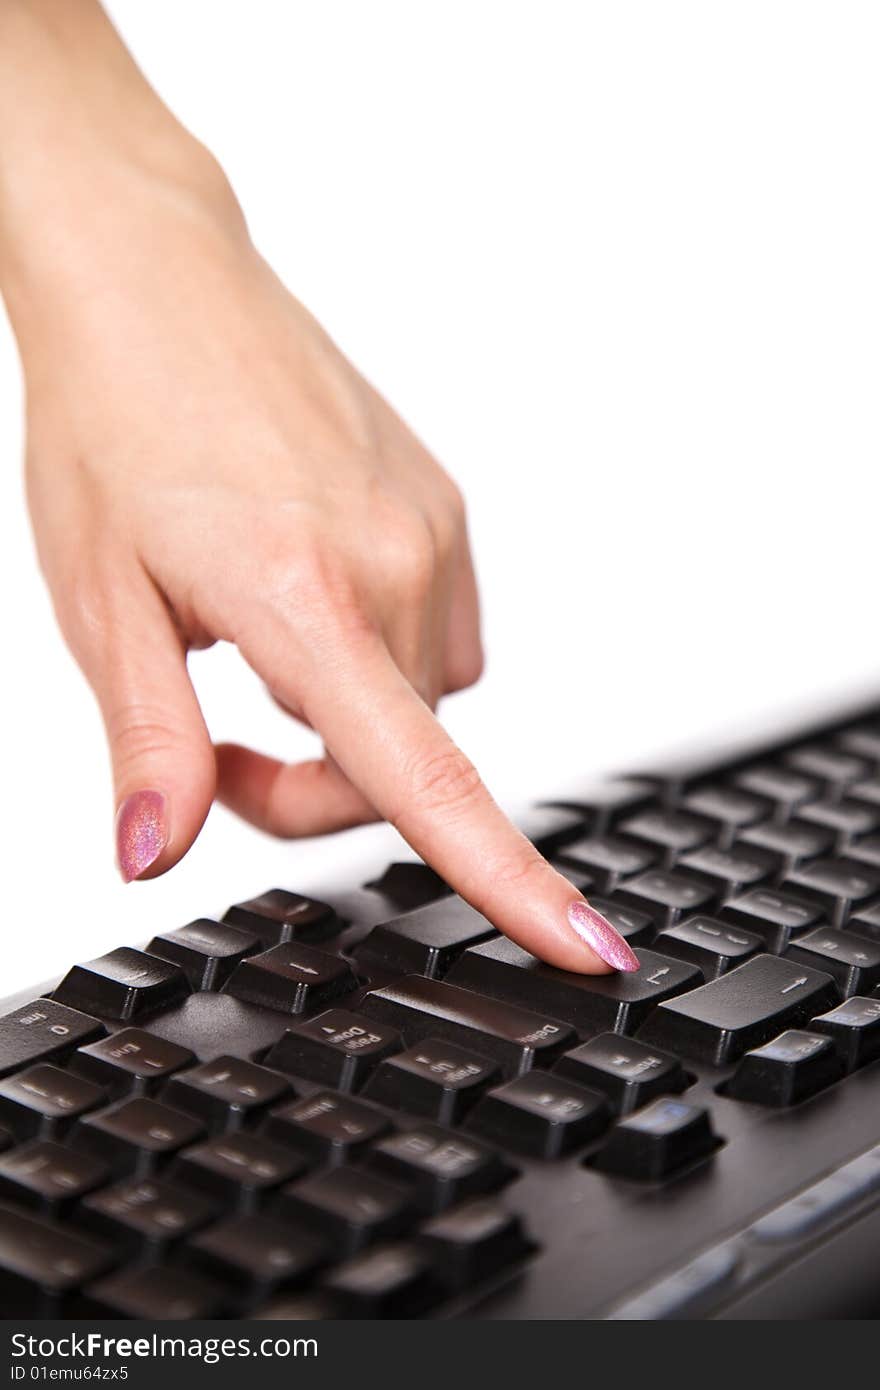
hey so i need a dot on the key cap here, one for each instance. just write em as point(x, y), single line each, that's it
point(730, 808)
point(602, 804)
point(846, 819)
point(540, 1115)
point(590, 1003)
point(43, 1101)
point(772, 916)
point(839, 886)
point(347, 1207)
point(851, 960)
point(710, 945)
point(720, 1021)
point(239, 1170)
point(390, 1281)
point(866, 922)
point(786, 1070)
point(207, 952)
point(145, 1216)
point(435, 1079)
point(666, 897)
point(863, 740)
point(136, 1136)
point(607, 859)
point(410, 885)
point(41, 1030)
point(291, 978)
point(624, 1071)
point(278, 916)
point(854, 1028)
point(337, 1048)
point(468, 1244)
point(156, 1294)
point(794, 843)
point(548, 827)
point(866, 851)
point(48, 1177)
point(867, 790)
point(674, 832)
point(657, 1141)
point(257, 1253)
point(424, 942)
point(41, 1265)
point(827, 764)
point(421, 1009)
point(438, 1167)
point(123, 984)
point(130, 1062)
point(785, 788)
point(581, 882)
point(730, 872)
point(636, 928)
point(225, 1094)
point(328, 1127)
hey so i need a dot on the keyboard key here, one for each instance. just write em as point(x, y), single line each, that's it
point(130, 1062)
point(603, 804)
point(48, 1177)
point(409, 885)
point(854, 1028)
point(866, 922)
point(607, 859)
point(657, 1141)
point(438, 1167)
point(424, 942)
point(720, 1021)
point(846, 819)
point(785, 788)
point(794, 843)
point(136, 1136)
point(348, 1207)
point(225, 1094)
point(123, 985)
point(666, 897)
point(207, 952)
point(636, 928)
point(239, 1170)
point(43, 1101)
point(866, 851)
point(786, 1070)
point(580, 881)
point(729, 872)
point(278, 916)
point(291, 978)
point(544, 1116)
point(729, 807)
point(156, 1294)
point(827, 764)
point(851, 960)
point(435, 1079)
point(548, 827)
point(41, 1265)
point(145, 1216)
point(627, 1073)
point(868, 790)
point(421, 1009)
point(674, 832)
point(863, 740)
point(390, 1281)
point(257, 1253)
point(328, 1127)
point(772, 916)
point(590, 1003)
point(468, 1244)
point(838, 886)
point(42, 1030)
point(712, 946)
point(336, 1048)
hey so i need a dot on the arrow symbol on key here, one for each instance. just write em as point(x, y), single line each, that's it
point(658, 975)
point(795, 984)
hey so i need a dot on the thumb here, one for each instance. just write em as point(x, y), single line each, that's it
point(163, 761)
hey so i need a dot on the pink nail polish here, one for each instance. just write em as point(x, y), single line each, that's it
point(141, 832)
point(598, 933)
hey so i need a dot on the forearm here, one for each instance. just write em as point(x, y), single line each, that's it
point(86, 147)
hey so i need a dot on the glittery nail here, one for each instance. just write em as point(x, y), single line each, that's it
point(598, 933)
point(141, 832)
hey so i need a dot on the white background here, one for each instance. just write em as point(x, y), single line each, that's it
point(618, 264)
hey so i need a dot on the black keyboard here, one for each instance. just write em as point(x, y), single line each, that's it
point(364, 1102)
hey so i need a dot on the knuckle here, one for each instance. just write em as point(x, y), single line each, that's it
point(445, 783)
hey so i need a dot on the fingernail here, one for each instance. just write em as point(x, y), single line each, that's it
point(141, 832)
point(593, 928)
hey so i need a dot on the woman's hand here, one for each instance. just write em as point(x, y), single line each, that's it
point(204, 464)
